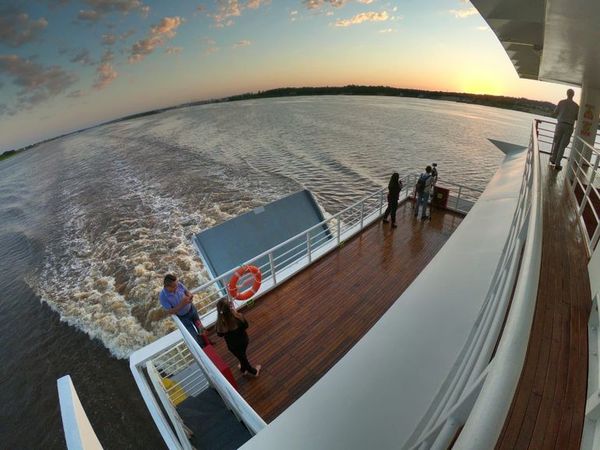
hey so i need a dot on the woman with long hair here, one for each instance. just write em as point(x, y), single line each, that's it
point(394, 188)
point(231, 325)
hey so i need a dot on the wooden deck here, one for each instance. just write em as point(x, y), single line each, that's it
point(301, 329)
point(548, 409)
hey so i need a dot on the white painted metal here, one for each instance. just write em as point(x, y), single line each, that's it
point(79, 433)
point(137, 362)
point(485, 422)
point(583, 177)
point(312, 244)
point(550, 40)
point(376, 395)
point(478, 349)
point(176, 421)
point(591, 428)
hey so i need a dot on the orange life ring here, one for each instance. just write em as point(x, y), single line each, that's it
point(233, 287)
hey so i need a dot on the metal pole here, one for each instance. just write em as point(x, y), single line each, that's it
point(362, 214)
point(272, 268)
point(338, 230)
point(380, 202)
point(308, 247)
point(458, 197)
point(589, 187)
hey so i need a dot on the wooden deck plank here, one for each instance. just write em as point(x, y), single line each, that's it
point(302, 328)
point(549, 404)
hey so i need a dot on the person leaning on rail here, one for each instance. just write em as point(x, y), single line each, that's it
point(394, 188)
point(566, 114)
point(176, 299)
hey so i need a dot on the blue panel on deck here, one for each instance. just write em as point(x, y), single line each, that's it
point(240, 239)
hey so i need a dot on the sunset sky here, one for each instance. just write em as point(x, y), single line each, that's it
point(67, 64)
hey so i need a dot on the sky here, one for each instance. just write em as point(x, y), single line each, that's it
point(69, 64)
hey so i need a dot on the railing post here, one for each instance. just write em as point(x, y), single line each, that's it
point(339, 237)
point(380, 202)
point(308, 249)
point(272, 269)
point(362, 214)
point(458, 197)
point(589, 187)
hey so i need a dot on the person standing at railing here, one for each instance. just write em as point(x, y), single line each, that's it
point(231, 325)
point(566, 114)
point(176, 299)
point(422, 192)
point(394, 188)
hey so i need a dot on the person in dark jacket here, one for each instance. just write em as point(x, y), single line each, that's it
point(232, 325)
point(394, 188)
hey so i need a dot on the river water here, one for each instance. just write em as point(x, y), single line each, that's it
point(91, 222)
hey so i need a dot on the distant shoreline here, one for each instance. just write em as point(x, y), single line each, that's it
point(517, 104)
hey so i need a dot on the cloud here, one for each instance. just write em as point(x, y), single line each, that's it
point(127, 34)
point(106, 74)
point(255, 4)
point(173, 50)
point(145, 11)
point(317, 4)
point(225, 10)
point(464, 12)
point(99, 8)
point(165, 29)
point(75, 94)
point(387, 30)
point(38, 83)
point(109, 39)
point(89, 15)
point(363, 17)
point(123, 6)
point(17, 29)
point(82, 57)
point(243, 43)
point(209, 45)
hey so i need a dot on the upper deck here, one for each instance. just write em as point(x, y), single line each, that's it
point(303, 327)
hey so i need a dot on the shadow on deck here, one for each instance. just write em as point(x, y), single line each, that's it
point(549, 405)
point(302, 328)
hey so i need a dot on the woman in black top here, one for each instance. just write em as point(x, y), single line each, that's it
point(394, 188)
point(232, 325)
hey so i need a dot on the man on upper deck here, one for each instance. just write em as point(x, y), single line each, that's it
point(566, 114)
point(176, 299)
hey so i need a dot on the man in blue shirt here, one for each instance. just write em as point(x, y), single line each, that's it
point(176, 299)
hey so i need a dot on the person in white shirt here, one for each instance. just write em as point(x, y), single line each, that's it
point(566, 114)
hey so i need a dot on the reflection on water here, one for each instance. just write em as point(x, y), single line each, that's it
point(91, 222)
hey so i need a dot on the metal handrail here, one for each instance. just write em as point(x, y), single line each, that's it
point(311, 243)
point(581, 175)
point(485, 422)
point(452, 404)
point(230, 396)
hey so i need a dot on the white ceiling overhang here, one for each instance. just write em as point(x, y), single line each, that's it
point(550, 40)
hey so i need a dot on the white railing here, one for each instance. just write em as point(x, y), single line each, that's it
point(545, 132)
point(291, 256)
point(181, 430)
point(485, 421)
point(234, 401)
point(582, 175)
point(477, 376)
point(288, 258)
point(79, 434)
point(591, 431)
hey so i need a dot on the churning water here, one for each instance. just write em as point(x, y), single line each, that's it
point(92, 221)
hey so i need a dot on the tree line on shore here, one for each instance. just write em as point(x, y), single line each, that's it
point(498, 101)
